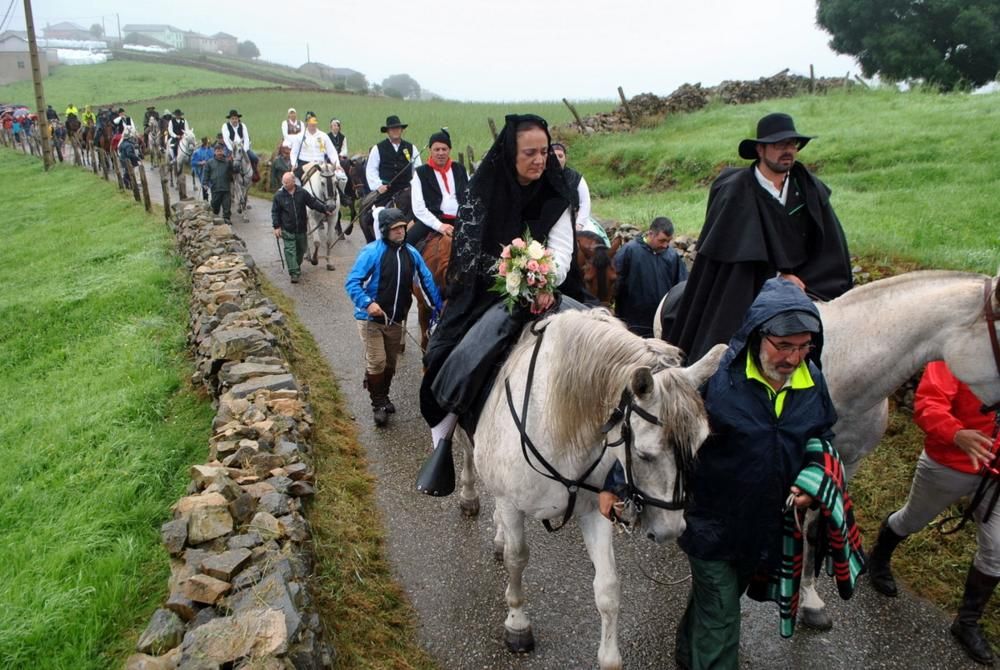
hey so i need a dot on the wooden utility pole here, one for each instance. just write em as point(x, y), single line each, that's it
point(493, 127)
point(36, 75)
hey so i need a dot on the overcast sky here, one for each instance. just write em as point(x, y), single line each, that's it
point(513, 50)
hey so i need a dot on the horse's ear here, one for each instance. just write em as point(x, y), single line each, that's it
point(642, 382)
point(706, 367)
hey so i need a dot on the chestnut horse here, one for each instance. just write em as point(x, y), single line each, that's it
point(595, 260)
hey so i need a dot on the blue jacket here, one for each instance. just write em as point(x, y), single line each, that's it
point(199, 158)
point(385, 275)
point(644, 277)
point(744, 470)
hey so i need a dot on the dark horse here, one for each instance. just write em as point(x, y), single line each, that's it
point(358, 184)
point(594, 258)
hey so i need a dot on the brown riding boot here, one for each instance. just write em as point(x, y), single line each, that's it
point(389, 407)
point(979, 589)
point(376, 386)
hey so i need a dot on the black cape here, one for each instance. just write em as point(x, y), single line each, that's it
point(737, 250)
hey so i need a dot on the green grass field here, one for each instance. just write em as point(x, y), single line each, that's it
point(362, 116)
point(116, 81)
point(99, 426)
point(913, 175)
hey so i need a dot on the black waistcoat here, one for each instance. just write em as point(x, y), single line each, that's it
point(392, 163)
point(431, 189)
point(338, 140)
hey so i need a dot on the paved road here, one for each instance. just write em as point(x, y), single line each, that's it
point(445, 561)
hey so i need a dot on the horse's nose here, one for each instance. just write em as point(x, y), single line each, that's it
point(650, 535)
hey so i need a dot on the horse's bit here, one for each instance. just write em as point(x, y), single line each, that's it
point(633, 495)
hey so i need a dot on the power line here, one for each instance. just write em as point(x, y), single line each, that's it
point(7, 15)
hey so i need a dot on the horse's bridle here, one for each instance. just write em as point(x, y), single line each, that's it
point(622, 414)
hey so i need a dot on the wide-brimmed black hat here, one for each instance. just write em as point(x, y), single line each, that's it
point(232, 113)
point(392, 122)
point(178, 112)
point(770, 129)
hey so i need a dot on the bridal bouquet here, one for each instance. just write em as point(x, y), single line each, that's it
point(525, 269)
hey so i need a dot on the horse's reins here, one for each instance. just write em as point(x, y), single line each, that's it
point(989, 473)
point(622, 414)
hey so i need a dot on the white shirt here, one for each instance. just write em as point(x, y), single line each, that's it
point(236, 133)
point(374, 160)
point(560, 242)
point(172, 134)
point(782, 195)
point(288, 137)
point(583, 214)
point(313, 148)
point(449, 199)
point(343, 147)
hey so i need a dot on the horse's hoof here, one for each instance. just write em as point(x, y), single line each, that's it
point(519, 641)
point(498, 552)
point(470, 507)
point(329, 266)
point(817, 619)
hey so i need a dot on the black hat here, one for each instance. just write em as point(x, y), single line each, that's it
point(770, 129)
point(791, 322)
point(388, 218)
point(392, 122)
point(121, 109)
point(440, 136)
point(178, 112)
point(150, 106)
point(232, 113)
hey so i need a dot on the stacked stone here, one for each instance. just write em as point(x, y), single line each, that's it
point(692, 97)
point(239, 543)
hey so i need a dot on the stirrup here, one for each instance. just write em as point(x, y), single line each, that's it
point(437, 476)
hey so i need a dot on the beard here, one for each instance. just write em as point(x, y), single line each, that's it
point(772, 372)
point(780, 168)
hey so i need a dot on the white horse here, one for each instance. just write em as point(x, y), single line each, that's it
point(323, 182)
point(182, 156)
point(242, 178)
point(583, 382)
point(879, 335)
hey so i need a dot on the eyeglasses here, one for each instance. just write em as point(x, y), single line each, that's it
point(786, 348)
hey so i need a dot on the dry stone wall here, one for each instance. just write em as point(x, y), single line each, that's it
point(238, 541)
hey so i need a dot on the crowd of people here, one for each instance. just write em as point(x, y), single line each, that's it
point(770, 246)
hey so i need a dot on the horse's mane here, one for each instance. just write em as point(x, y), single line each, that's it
point(597, 355)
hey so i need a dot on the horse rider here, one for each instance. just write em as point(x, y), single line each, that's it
point(122, 121)
point(381, 287)
point(771, 217)
point(438, 189)
point(219, 176)
point(199, 159)
point(88, 118)
point(766, 401)
point(577, 183)
point(51, 114)
point(291, 126)
point(339, 140)
point(313, 146)
point(960, 458)
point(176, 130)
point(281, 164)
point(234, 130)
point(70, 109)
point(648, 267)
point(290, 221)
point(151, 115)
point(389, 169)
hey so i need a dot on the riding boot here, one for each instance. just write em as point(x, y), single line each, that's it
point(389, 407)
point(979, 588)
point(376, 386)
point(879, 561)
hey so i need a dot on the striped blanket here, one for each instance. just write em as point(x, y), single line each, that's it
point(838, 538)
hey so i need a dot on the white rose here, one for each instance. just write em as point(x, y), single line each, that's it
point(513, 282)
point(535, 250)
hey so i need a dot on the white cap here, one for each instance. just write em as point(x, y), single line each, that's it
point(291, 109)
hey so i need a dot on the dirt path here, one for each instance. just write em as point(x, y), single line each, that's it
point(445, 562)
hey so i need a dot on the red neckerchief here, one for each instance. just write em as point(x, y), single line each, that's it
point(443, 171)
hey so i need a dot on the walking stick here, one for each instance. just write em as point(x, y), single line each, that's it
point(281, 254)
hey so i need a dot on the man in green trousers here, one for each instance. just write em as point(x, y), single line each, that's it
point(291, 222)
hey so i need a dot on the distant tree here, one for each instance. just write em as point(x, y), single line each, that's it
point(247, 49)
point(391, 92)
point(948, 43)
point(406, 85)
point(357, 82)
point(340, 85)
point(97, 30)
point(376, 89)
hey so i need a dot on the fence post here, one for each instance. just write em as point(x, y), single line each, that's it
point(493, 127)
point(145, 187)
point(628, 110)
point(812, 79)
point(166, 190)
point(116, 164)
point(583, 128)
point(129, 174)
point(181, 183)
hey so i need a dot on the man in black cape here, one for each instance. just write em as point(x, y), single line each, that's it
point(771, 218)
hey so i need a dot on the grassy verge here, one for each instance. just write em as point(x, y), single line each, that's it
point(98, 424)
point(122, 80)
point(931, 564)
point(360, 601)
point(907, 170)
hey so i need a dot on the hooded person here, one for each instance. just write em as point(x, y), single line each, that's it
point(769, 218)
point(519, 186)
point(380, 284)
point(437, 190)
